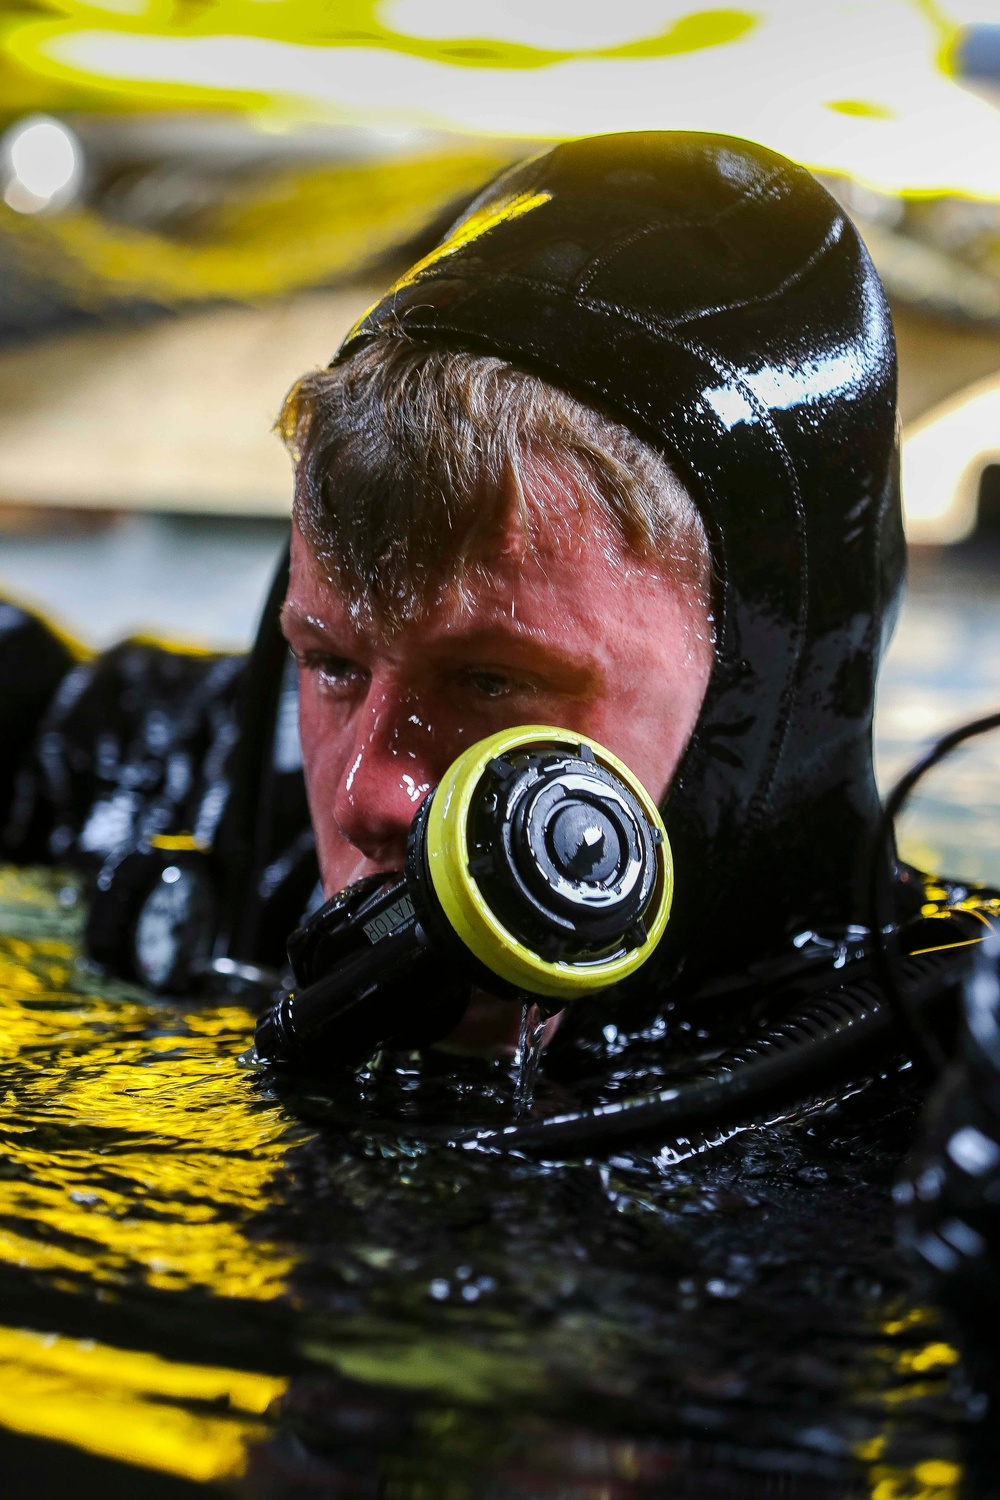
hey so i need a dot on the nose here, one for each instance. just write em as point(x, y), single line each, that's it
point(388, 772)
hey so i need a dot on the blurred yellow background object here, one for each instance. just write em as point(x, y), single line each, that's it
point(158, 159)
point(865, 89)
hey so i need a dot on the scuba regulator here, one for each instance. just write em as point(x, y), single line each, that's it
point(538, 868)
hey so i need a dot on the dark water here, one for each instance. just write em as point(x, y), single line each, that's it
point(205, 1280)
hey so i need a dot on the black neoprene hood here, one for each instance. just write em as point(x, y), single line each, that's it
point(715, 298)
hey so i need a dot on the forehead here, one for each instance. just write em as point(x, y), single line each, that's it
point(570, 570)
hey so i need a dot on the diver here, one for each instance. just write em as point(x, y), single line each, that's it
point(618, 457)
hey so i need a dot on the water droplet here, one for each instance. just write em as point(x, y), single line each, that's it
point(528, 1056)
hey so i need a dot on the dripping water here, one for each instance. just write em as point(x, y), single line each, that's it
point(528, 1056)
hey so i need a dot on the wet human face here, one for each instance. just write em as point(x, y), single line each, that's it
point(574, 631)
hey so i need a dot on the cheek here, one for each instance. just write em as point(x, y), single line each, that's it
point(649, 712)
point(327, 748)
point(326, 743)
point(311, 726)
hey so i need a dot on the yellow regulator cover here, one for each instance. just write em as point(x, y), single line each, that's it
point(469, 913)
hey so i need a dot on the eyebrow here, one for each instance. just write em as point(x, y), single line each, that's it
point(576, 672)
point(290, 613)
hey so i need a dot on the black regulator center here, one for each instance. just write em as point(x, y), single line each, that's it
point(583, 842)
point(563, 852)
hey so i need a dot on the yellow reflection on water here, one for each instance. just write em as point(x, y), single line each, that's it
point(909, 1367)
point(129, 1406)
point(933, 1479)
point(135, 1154)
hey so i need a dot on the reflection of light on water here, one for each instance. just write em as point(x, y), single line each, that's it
point(913, 1357)
point(158, 1165)
point(130, 1406)
point(135, 1155)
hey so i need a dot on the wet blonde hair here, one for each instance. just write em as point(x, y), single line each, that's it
point(412, 460)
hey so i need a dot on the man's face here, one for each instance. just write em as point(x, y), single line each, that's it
point(574, 631)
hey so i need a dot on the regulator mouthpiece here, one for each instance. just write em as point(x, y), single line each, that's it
point(538, 867)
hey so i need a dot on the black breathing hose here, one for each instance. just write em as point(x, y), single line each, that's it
point(812, 1039)
point(808, 1044)
point(884, 931)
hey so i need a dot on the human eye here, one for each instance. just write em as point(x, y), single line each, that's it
point(493, 684)
point(335, 674)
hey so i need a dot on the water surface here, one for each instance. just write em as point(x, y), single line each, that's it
point(204, 1280)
